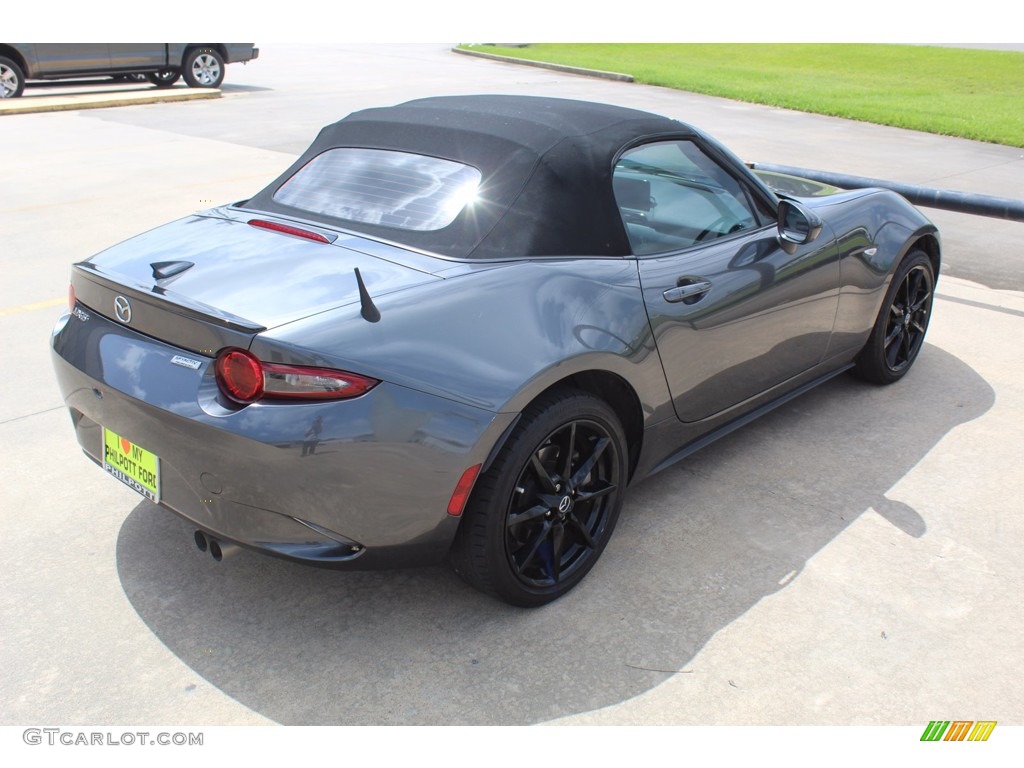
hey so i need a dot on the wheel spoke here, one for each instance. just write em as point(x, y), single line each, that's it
point(542, 474)
point(534, 545)
point(557, 542)
point(532, 513)
point(917, 305)
point(582, 529)
point(918, 287)
point(893, 335)
point(588, 466)
point(590, 495)
point(567, 471)
point(892, 351)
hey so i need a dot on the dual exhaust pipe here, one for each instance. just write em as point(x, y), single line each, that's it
point(217, 549)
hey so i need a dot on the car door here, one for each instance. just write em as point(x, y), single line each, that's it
point(68, 58)
point(140, 55)
point(733, 312)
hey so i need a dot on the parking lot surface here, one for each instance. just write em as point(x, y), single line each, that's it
point(852, 558)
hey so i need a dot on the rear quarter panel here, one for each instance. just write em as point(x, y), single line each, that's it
point(494, 337)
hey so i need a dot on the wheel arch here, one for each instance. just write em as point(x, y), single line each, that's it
point(218, 47)
point(929, 243)
point(16, 56)
point(604, 385)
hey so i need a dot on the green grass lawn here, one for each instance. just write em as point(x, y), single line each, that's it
point(975, 94)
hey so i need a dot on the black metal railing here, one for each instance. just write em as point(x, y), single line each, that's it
point(946, 199)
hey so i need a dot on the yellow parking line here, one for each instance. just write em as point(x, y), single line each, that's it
point(30, 307)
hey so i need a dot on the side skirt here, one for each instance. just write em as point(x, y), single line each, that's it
point(743, 420)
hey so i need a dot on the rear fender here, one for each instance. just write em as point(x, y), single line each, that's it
point(493, 338)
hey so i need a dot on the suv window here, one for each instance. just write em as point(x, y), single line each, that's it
point(383, 187)
point(672, 196)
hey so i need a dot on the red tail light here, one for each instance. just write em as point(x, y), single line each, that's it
point(245, 379)
point(71, 298)
point(239, 375)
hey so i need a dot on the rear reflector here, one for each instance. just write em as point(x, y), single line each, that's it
point(245, 379)
point(287, 230)
point(462, 489)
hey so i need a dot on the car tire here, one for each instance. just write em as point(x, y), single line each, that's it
point(540, 516)
point(204, 68)
point(12, 79)
point(165, 78)
point(902, 322)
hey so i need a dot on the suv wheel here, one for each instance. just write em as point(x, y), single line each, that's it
point(12, 79)
point(204, 68)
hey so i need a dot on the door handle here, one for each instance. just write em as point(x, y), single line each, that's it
point(689, 293)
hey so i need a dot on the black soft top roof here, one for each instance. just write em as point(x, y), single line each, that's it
point(546, 167)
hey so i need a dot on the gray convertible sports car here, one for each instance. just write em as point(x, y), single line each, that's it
point(462, 326)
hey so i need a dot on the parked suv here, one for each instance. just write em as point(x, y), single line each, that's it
point(201, 64)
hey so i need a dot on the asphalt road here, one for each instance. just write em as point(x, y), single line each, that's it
point(851, 558)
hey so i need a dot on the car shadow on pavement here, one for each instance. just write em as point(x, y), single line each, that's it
point(85, 82)
point(240, 88)
point(697, 546)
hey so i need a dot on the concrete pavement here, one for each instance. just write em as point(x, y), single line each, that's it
point(851, 558)
point(66, 96)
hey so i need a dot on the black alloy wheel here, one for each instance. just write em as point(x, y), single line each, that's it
point(559, 506)
point(540, 517)
point(908, 319)
point(900, 328)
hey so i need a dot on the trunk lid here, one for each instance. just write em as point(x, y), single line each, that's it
point(206, 280)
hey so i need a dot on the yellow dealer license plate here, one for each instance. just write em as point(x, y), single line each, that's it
point(132, 464)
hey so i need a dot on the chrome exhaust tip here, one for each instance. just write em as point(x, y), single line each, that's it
point(201, 541)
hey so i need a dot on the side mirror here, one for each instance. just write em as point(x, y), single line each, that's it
point(797, 225)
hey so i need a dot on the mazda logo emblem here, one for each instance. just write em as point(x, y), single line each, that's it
point(123, 309)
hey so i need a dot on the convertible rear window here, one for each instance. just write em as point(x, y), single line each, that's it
point(384, 187)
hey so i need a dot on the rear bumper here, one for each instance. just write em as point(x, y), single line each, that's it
point(362, 483)
point(244, 52)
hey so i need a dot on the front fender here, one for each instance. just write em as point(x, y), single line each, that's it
point(874, 230)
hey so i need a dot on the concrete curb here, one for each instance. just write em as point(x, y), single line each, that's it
point(32, 104)
point(545, 65)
